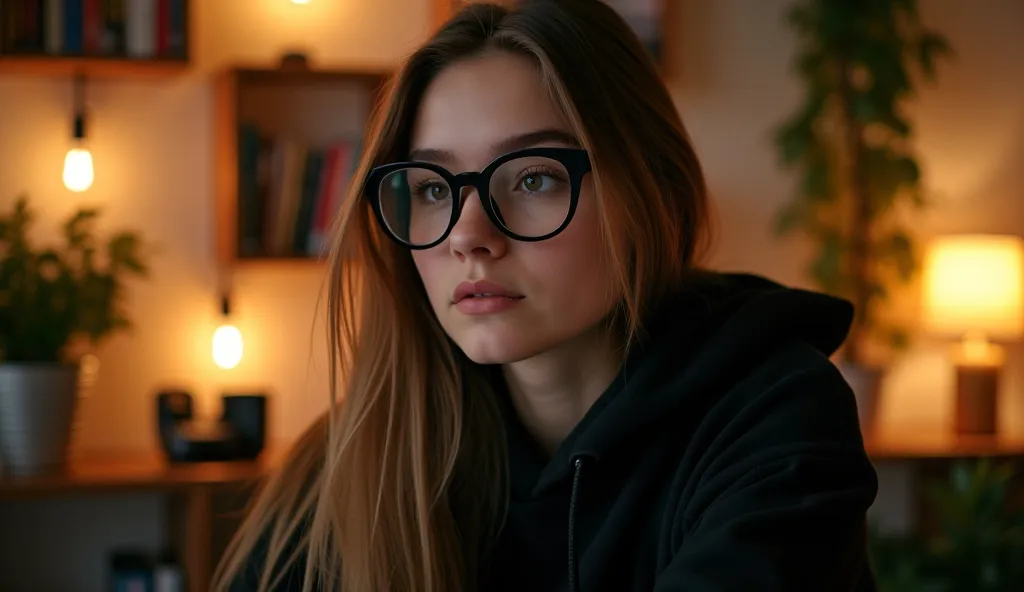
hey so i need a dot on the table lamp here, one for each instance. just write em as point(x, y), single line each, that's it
point(974, 292)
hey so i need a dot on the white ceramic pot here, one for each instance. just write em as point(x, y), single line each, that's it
point(866, 383)
point(37, 410)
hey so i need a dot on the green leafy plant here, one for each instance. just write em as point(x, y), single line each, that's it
point(849, 141)
point(51, 297)
point(979, 544)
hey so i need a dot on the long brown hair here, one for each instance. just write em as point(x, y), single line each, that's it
point(400, 486)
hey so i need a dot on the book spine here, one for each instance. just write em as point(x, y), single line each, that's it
point(176, 29)
point(55, 27)
point(28, 24)
point(112, 41)
point(74, 26)
point(6, 29)
point(92, 26)
point(321, 219)
point(142, 28)
point(309, 189)
point(249, 240)
point(163, 26)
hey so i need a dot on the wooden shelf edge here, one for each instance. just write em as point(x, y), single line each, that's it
point(137, 471)
point(94, 67)
point(911, 445)
point(330, 68)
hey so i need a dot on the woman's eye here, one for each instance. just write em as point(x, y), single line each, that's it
point(538, 182)
point(432, 191)
point(533, 182)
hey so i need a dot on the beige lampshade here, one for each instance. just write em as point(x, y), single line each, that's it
point(974, 284)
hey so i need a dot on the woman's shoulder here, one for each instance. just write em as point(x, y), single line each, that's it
point(741, 347)
point(728, 326)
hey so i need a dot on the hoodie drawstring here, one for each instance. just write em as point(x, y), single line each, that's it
point(574, 579)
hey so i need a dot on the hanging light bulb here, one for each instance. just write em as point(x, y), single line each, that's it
point(227, 340)
point(78, 171)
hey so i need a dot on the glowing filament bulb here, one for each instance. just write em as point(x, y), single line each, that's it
point(78, 172)
point(227, 346)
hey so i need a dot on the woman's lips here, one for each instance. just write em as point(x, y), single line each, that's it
point(484, 297)
point(482, 305)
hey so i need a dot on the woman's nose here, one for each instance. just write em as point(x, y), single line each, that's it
point(473, 234)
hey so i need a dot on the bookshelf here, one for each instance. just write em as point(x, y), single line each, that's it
point(95, 38)
point(287, 141)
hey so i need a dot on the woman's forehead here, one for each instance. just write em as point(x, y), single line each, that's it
point(474, 108)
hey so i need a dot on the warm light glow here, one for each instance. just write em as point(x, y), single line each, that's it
point(227, 346)
point(974, 286)
point(78, 173)
point(300, 1)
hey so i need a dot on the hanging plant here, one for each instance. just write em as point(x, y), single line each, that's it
point(850, 144)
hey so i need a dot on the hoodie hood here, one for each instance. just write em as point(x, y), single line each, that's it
point(697, 341)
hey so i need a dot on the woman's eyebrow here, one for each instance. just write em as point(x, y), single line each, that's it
point(510, 144)
point(530, 139)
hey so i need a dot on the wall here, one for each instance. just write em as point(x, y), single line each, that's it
point(151, 143)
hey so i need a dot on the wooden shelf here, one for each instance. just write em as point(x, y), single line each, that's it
point(133, 471)
point(266, 117)
point(104, 44)
point(916, 444)
point(92, 67)
point(192, 517)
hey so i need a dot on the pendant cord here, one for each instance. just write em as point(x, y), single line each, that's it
point(78, 101)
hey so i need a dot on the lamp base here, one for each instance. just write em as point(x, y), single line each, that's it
point(977, 394)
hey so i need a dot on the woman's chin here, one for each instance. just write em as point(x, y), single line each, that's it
point(490, 349)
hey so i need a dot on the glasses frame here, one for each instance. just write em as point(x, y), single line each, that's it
point(575, 160)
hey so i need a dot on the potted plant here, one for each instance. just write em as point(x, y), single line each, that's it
point(850, 143)
point(53, 299)
point(978, 544)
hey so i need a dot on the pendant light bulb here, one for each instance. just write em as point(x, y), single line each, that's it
point(78, 173)
point(227, 340)
point(227, 346)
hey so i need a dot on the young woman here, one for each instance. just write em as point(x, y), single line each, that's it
point(542, 391)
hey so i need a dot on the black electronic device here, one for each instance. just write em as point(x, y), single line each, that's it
point(238, 434)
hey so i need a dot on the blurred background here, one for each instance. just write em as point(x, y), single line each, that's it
point(193, 135)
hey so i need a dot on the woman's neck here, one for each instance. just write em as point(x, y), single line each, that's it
point(551, 392)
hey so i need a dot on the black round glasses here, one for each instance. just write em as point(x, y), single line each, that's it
point(531, 195)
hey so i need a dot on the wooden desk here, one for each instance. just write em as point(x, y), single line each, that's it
point(190, 487)
point(933, 444)
point(929, 456)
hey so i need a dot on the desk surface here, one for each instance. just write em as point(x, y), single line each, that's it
point(139, 471)
point(133, 471)
point(925, 444)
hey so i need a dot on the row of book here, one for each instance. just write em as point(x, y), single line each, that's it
point(289, 191)
point(105, 28)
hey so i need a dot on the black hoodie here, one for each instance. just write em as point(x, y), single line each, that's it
point(726, 456)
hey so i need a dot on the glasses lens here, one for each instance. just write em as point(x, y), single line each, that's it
point(416, 204)
point(531, 195)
